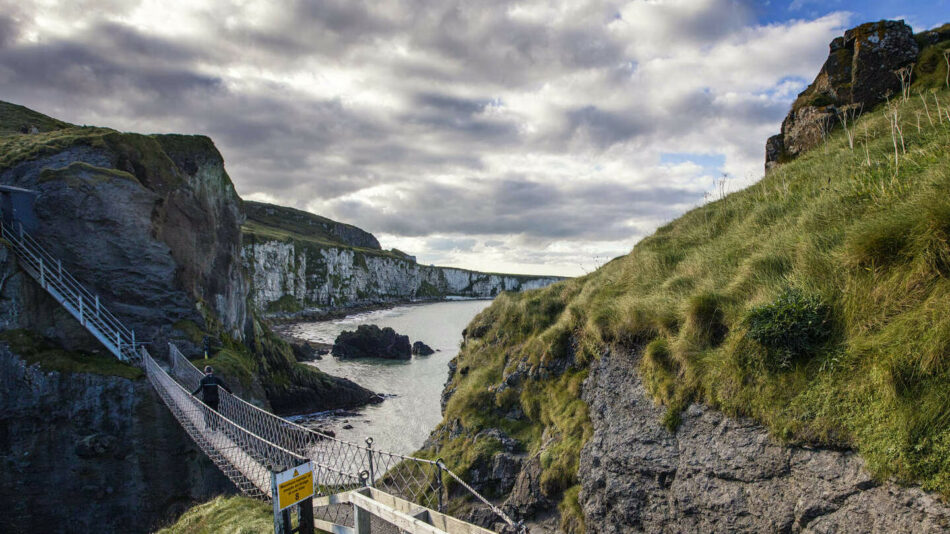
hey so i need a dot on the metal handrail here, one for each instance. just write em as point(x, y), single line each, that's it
point(49, 272)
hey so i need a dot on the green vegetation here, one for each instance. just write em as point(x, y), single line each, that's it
point(286, 303)
point(815, 301)
point(225, 515)
point(35, 349)
point(78, 172)
point(284, 221)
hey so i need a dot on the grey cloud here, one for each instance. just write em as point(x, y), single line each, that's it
point(517, 206)
point(448, 244)
point(281, 139)
point(8, 30)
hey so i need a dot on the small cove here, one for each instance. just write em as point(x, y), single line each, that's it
point(404, 420)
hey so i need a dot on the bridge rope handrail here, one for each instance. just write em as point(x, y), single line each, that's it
point(244, 457)
point(196, 374)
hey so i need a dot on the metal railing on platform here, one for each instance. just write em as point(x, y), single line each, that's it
point(338, 465)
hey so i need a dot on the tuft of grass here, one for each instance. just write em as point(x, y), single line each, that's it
point(704, 306)
point(225, 515)
point(791, 328)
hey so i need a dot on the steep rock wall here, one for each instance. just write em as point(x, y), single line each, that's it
point(92, 453)
point(718, 474)
point(292, 275)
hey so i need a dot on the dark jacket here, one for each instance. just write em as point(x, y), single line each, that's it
point(209, 388)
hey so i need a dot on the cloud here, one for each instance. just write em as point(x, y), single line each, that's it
point(490, 135)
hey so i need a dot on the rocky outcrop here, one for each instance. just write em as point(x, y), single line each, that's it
point(421, 349)
point(858, 74)
point(371, 341)
point(82, 452)
point(292, 275)
point(718, 474)
point(129, 215)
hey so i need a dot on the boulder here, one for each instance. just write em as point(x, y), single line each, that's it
point(371, 341)
point(858, 74)
point(421, 349)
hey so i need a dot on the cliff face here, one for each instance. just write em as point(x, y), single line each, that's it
point(87, 452)
point(293, 275)
point(719, 474)
point(129, 215)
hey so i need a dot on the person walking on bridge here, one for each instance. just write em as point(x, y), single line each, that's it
point(209, 393)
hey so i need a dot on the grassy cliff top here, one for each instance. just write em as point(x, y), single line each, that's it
point(816, 301)
point(155, 160)
point(305, 224)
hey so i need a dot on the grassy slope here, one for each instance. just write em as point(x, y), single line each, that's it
point(869, 244)
point(231, 515)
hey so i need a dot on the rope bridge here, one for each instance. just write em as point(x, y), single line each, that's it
point(249, 444)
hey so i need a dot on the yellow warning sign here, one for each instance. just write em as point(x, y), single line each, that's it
point(294, 485)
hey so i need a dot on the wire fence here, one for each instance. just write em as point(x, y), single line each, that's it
point(338, 465)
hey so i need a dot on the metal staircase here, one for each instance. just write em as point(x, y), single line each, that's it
point(48, 271)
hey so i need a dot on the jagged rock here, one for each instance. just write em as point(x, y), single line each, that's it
point(858, 74)
point(421, 349)
point(371, 341)
point(719, 474)
point(305, 351)
point(526, 498)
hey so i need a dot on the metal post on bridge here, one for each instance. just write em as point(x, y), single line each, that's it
point(369, 453)
point(42, 274)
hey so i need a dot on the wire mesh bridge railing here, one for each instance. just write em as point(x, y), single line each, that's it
point(338, 465)
point(249, 444)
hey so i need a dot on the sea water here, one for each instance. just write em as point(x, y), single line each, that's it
point(413, 387)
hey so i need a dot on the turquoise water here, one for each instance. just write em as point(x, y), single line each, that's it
point(402, 422)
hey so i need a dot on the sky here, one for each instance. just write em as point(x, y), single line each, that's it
point(537, 137)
